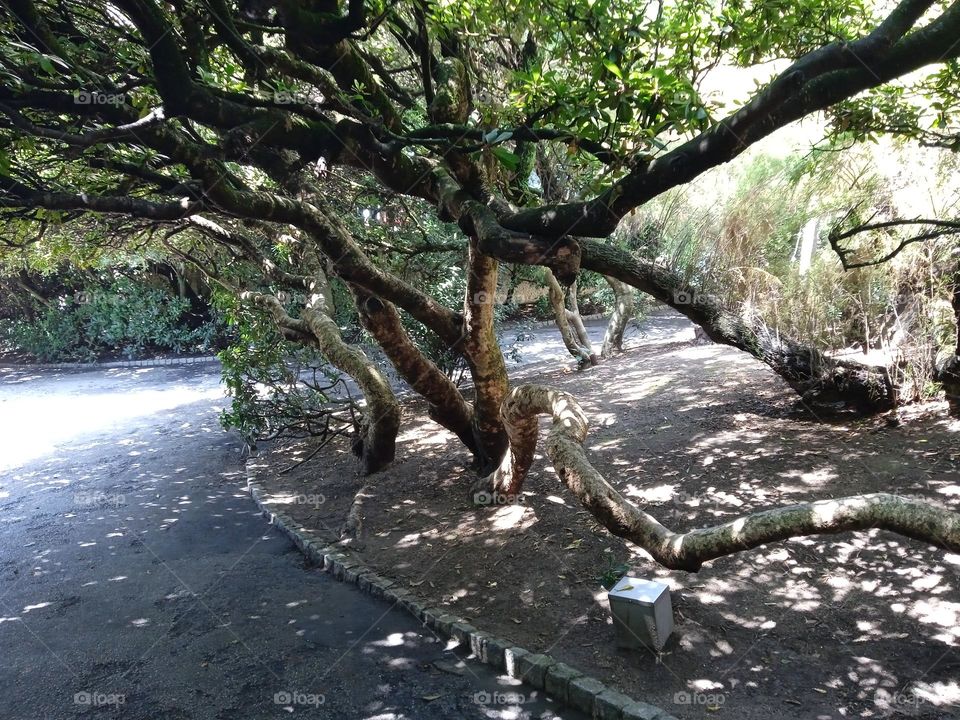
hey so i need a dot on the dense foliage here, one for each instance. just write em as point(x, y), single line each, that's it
point(126, 317)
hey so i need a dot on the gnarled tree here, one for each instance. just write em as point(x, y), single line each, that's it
point(273, 119)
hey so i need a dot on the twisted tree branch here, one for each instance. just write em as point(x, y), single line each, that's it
point(689, 550)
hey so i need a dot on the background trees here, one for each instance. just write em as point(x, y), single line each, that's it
point(257, 141)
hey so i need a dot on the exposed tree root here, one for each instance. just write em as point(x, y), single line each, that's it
point(688, 551)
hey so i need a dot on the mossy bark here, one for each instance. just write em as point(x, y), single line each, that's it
point(375, 443)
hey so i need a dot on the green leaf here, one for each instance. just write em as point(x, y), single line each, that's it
point(507, 158)
point(612, 67)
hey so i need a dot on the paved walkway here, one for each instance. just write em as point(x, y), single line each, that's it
point(138, 581)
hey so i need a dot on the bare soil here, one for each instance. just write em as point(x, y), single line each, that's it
point(857, 625)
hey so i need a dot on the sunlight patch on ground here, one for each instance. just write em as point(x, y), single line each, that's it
point(32, 426)
point(647, 388)
point(510, 517)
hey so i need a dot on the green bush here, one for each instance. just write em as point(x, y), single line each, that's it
point(276, 386)
point(125, 317)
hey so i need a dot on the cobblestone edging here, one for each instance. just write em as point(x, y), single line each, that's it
point(156, 362)
point(560, 681)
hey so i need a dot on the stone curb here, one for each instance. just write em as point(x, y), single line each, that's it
point(157, 362)
point(563, 683)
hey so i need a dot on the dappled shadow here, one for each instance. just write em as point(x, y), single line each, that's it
point(855, 625)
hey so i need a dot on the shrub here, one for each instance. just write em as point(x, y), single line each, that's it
point(126, 317)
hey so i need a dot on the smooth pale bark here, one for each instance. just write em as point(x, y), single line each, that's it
point(576, 320)
point(483, 356)
point(622, 310)
point(447, 406)
point(689, 550)
point(561, 316)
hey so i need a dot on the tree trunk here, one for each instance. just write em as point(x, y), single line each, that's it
point(622, 310)
point(484, 358)
point(819, 379)
point(689, 550)
point(446, 405)
point(948, 374)
point(582, 355)
point(575, 319)
point(375, 444)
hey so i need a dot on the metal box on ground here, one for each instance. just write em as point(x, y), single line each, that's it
point(642, 613)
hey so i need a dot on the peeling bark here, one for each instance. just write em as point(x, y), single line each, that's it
point(447, 406)
point(622, 310)
point(689, 550)
point(483, 356)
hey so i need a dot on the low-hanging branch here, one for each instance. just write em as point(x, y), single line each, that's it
point(939, 228)
point(689, 550)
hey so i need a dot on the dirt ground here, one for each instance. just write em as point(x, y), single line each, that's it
point(860, 625)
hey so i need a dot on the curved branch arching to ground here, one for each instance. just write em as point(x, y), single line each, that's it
point(622, 310)
point(815, 376)
point(689, 550)
point(572, 338)
point(376, 441)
